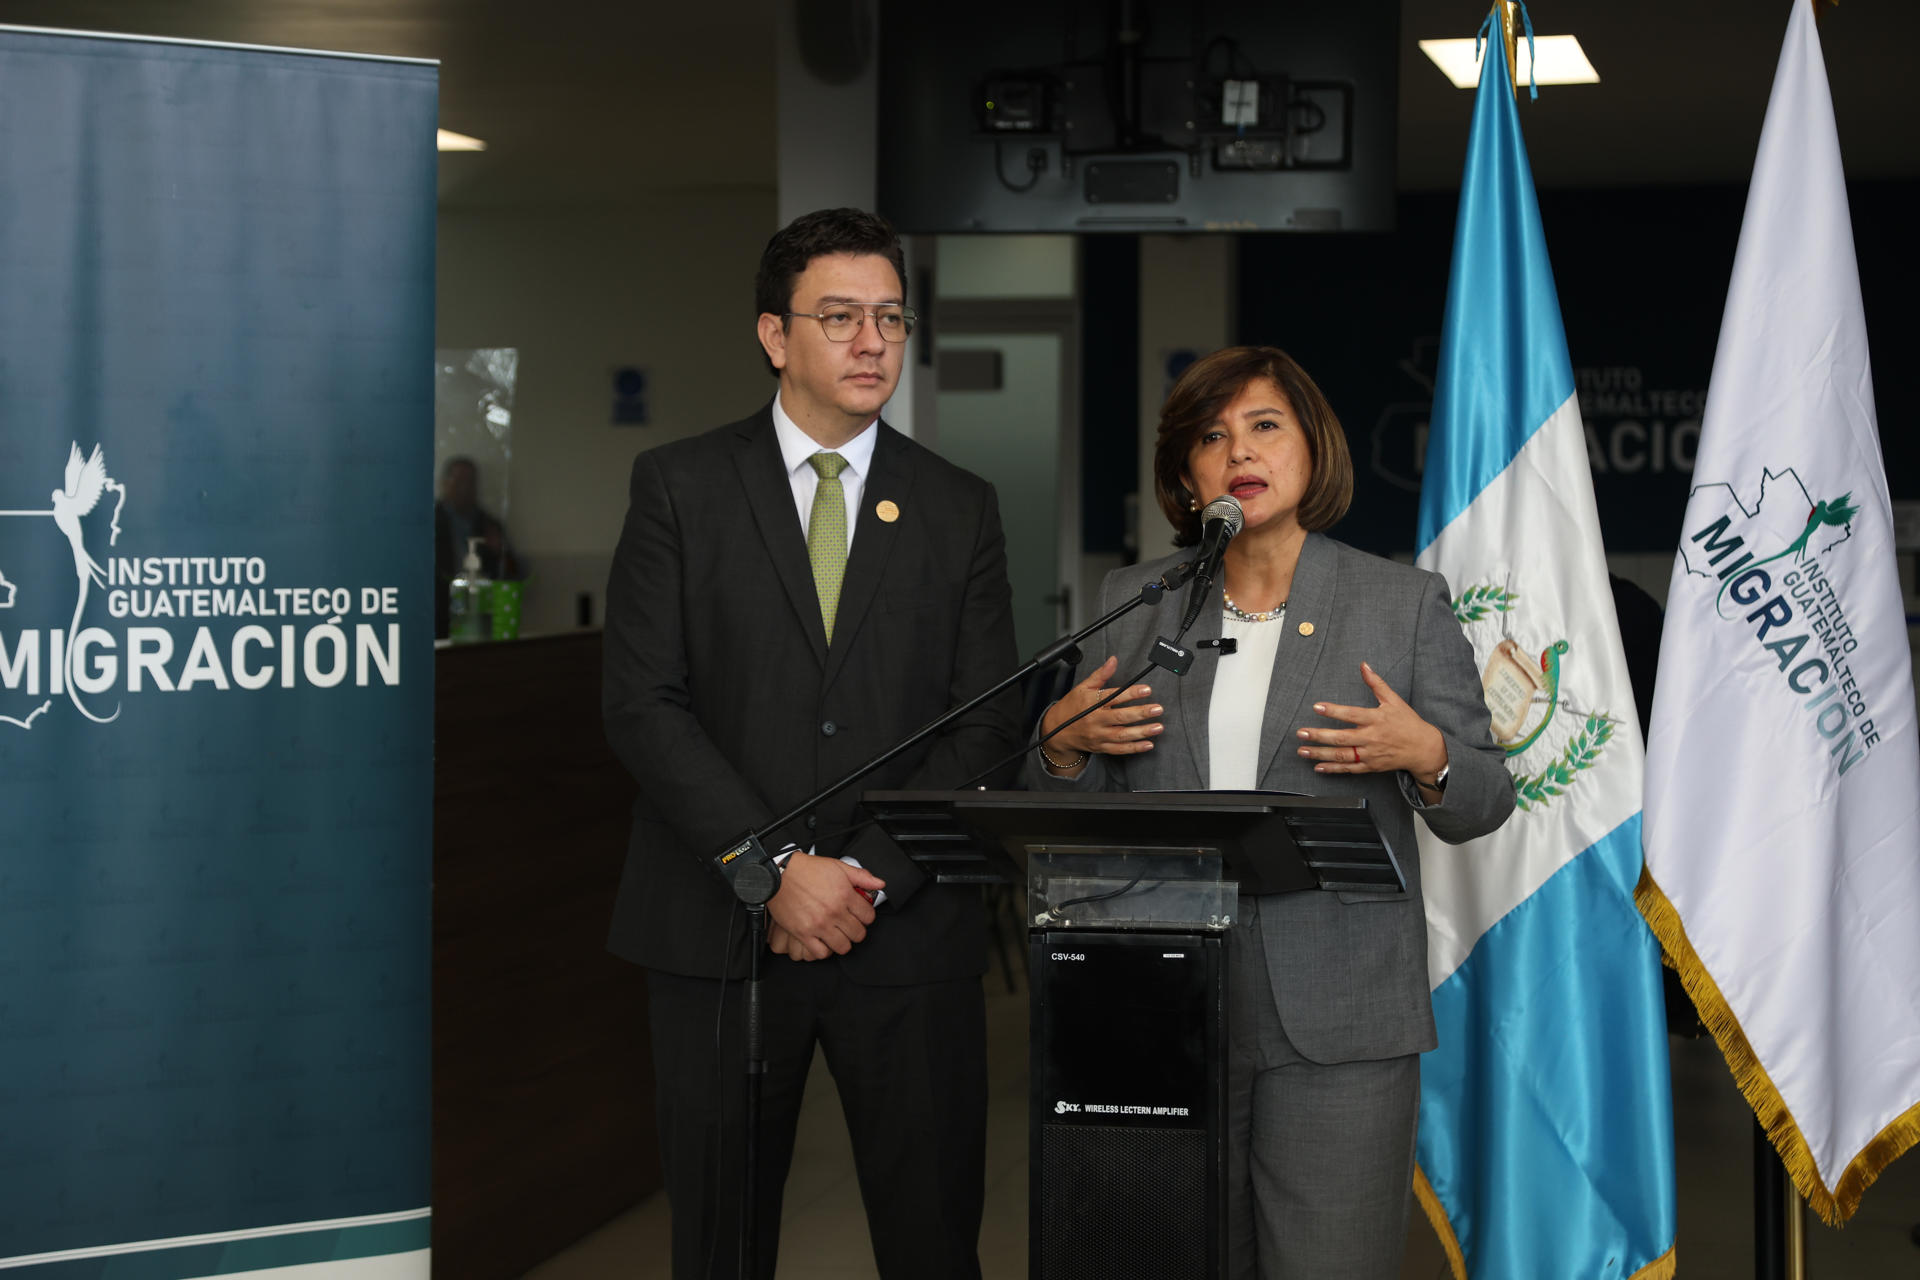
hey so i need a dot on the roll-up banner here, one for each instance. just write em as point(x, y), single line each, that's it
point(216, 409)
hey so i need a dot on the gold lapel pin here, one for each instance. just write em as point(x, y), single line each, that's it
point(888, 510)
point(1306, 628)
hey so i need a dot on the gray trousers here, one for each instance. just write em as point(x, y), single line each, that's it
point(1319, 1156)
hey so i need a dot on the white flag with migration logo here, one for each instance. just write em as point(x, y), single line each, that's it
point(1783, 777)
point(1546, 1135)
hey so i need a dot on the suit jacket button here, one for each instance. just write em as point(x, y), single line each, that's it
point(812, 822)
point(829, 728)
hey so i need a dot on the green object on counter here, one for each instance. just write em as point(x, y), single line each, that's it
point(506, 610)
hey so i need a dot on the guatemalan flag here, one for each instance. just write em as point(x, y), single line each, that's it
point(1546, 1130)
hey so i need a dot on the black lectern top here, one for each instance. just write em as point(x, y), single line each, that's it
point(1272, 842)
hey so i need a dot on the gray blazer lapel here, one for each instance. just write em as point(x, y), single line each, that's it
point(756, 453)
point(1196, 687)
point(1310, 603)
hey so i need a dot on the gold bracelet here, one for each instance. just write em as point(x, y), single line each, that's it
point(1055, 764)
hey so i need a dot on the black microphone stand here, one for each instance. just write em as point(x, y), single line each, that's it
point(753, 885)
point(754, 877)
point(1065, 649)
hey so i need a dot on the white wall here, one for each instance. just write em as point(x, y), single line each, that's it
point(828, 132)
point(1003, 266)
point(666, 286)
point(1186, 304)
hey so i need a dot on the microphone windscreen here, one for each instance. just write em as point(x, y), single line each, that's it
point(1225, 507)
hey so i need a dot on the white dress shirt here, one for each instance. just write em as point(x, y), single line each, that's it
point(1239, 705)
point(796, 446)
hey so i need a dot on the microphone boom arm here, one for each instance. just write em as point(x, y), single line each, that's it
point(732, 863)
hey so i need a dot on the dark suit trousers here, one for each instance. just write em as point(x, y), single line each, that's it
point(910, 1066)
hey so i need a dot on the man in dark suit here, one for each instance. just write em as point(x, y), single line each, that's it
point(776, 617)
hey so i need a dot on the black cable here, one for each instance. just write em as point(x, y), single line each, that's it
point(1206, 54)
point(1234, 57)
point(1102, 897)
point(719, 1013)
point(719, 1020)
point(1097, 897)
point(1036, 165)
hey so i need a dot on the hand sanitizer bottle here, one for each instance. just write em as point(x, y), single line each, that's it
point(470, 604)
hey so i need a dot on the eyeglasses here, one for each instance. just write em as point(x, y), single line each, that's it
point(842, 321)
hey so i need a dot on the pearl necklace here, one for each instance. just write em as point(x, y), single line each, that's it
point(1274, 614)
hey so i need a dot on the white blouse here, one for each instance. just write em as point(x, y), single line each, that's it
point(1239, 703)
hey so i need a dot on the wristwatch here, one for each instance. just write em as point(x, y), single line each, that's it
point(1440, 779)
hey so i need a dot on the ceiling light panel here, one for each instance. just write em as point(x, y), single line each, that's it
point(1562, 61)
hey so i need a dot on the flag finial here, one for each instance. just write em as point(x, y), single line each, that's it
point(1504, 12)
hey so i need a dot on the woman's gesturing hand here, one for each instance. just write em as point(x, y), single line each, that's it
point(1124, 726)
point(1384, 738)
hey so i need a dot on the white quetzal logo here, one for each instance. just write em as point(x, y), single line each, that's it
point(87, 482)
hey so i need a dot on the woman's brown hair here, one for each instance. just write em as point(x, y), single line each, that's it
point(1195, 404)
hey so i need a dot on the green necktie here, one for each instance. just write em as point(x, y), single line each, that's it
point(827, 535)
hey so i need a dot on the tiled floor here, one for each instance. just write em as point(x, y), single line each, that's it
point(825, 1232)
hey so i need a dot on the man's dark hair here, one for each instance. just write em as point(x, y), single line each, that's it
point(815, 235)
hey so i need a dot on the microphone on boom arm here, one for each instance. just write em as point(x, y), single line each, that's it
point(1220, 520)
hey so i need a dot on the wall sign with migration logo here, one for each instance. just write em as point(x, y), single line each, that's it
point(290, 634)
point(215, 661)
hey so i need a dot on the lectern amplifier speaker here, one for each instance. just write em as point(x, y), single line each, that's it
point(1129, 1085)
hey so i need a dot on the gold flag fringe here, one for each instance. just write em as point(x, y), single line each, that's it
point(1437, 1215)
point(1834, 1205)
point(1661, 1268)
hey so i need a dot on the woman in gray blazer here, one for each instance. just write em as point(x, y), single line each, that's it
point(1350, 678)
